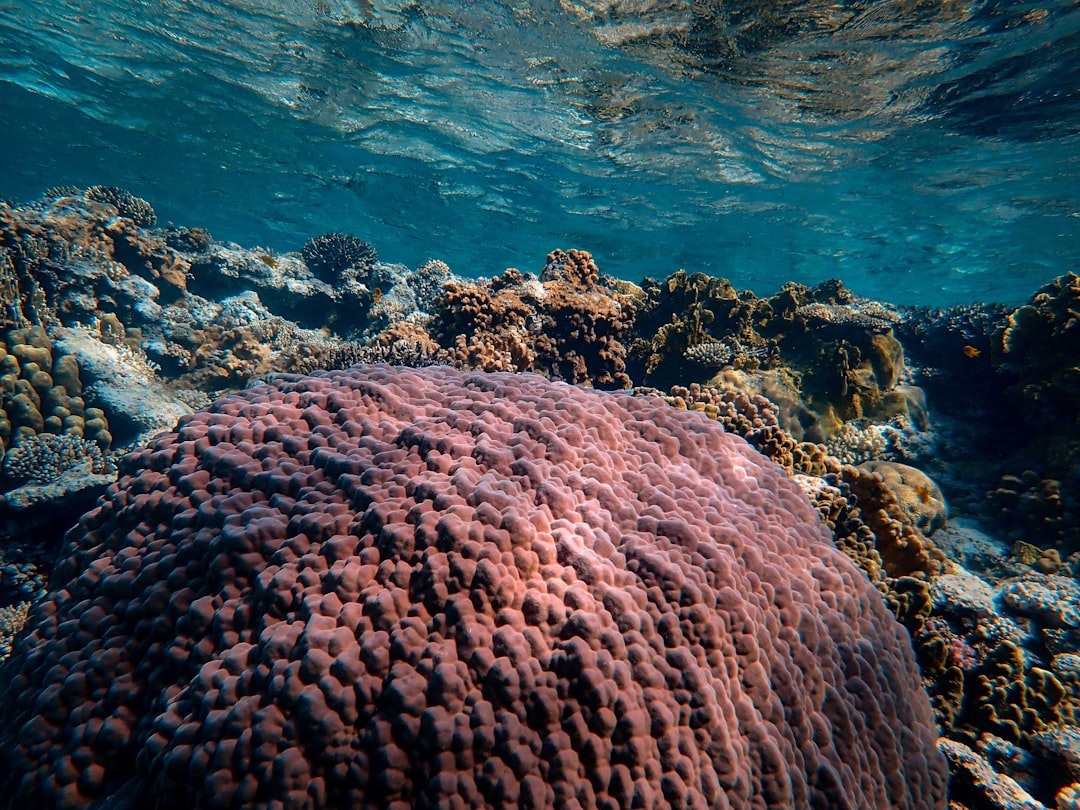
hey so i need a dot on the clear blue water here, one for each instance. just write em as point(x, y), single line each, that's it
point(924, 153)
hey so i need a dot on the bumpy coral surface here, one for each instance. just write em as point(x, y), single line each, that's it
point(429, 588)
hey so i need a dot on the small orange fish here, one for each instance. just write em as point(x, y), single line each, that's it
point(377, 295)
point(971, 351)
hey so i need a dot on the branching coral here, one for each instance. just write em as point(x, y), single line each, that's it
point(44, 457)
point(331, 254)
point(130, 207)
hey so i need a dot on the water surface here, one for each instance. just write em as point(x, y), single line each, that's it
point(925, 153)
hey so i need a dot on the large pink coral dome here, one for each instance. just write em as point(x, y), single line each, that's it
point(388, 587)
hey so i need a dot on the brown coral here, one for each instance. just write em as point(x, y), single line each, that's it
point(904, 550)
point(917, 496)
point(1011, 698)
point(567, 325)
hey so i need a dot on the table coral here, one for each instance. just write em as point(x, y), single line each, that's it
point(388, 587)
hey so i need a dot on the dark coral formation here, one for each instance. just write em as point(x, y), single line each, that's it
point(1039, 511)
point(1019, 417)
point(138, 210)
point(428, 587)
point(681, 312)
point(329, 255)
point(1035, 354)
point(1038, 346)
point(569, 324)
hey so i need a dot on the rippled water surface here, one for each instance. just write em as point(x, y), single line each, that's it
point(924, 152)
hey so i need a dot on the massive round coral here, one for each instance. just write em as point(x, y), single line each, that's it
point(388, 588)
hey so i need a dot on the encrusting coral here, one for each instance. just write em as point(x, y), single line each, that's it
point(388, 586)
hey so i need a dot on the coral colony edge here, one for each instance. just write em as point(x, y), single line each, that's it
point(360, 535)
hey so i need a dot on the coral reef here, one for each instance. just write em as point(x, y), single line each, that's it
point(115, 329)
point(490, 326)
point(833, 354)
point(1052, 602)
point(877, 532)
point(1012, 699)
point(74, 259)
point(425, 585)
point(858, 442)
point(994, 662)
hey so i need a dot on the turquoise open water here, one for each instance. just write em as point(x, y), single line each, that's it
point(924, 153)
